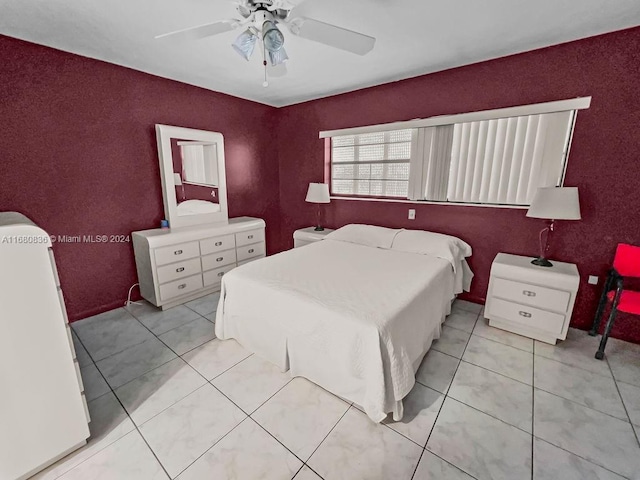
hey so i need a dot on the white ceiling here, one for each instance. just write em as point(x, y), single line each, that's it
point(413, 37)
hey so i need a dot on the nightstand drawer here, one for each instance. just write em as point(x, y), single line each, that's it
point(528, 316)
point(524, 293)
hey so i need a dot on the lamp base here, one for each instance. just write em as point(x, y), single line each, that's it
point(542, 262)
point(318, 229)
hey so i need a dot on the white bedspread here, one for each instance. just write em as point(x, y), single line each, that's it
point(354, 319)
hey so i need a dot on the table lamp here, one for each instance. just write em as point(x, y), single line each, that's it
point(553, 203)
point(318, 193)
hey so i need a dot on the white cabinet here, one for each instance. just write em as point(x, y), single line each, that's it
point(178, 265)
point(43, 411)
point(305, 236)
point(530, 300)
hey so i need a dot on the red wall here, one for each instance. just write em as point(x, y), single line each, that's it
point(78, 156)
point(604, 161)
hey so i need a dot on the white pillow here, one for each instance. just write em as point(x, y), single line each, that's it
point(439, 245)
point(370, 235)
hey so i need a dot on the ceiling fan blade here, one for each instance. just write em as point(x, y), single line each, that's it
point(277, 70)
point(331, 35)
point(202, 31)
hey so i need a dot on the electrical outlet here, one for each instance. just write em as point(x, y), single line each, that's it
point(412, 214)
point(593, 280)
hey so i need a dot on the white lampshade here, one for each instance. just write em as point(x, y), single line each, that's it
point(555, 203)
point(177, 181)
point(318, 193)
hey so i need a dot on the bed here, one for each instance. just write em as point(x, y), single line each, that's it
point(351, 314)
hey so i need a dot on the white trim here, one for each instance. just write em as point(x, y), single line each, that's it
point(580, 103)
point(429, 202)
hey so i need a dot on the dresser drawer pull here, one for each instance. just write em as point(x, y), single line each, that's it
point(220, 274)
point(180, 287)
point(251, 250)
point(181, 269)
point(219, 259)
point(529, 293)
point(249, 237)
point(218, 244)
point(178, 252)
point(524, 314)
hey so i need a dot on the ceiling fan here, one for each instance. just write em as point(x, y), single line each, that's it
point(260, 21)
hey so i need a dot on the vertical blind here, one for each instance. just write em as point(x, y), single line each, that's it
point(371, 164)
point(504, 161)
point(495, 161)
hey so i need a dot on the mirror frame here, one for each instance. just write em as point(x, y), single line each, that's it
point(164, 134)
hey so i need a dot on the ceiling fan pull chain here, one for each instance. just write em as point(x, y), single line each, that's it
point(265, 84)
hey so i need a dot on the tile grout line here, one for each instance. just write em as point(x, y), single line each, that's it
point(574, 366)
point(112, 391)
point(624, 405)
point(533, 407)
point(214, 444)
point(328, 433)
point(579, 456)
point(446, 395)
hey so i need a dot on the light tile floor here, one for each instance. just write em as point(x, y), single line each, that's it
point(168, 400)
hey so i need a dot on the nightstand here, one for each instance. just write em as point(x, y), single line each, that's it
point(308, 235)
point(529, 300)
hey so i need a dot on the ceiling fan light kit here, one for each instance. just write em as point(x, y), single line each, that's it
point(245, 43)
point(261, 19)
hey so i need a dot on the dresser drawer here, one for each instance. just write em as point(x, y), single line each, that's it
point(177, 270)
point(214, 277)
point(217, 244)
point(528, 316)
point(542, 297)
point(176, 253)
point(252, 236)
point(218, 260)
point(180, 287)
point(250, 251)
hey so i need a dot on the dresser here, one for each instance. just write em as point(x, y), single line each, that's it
point(43, 410)
point(530, 300)
point(178, 265)
point(305, 236)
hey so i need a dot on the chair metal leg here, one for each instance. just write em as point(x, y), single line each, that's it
point(601, 304)
point(605, 335)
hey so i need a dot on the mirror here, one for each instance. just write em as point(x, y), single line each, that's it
point(193, 175)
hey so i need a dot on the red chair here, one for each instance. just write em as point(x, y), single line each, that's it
point(626, 265)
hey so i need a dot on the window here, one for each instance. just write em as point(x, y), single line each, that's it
point(497, 157)
point(371, 164)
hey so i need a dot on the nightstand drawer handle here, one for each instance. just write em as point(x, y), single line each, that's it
point(251, 250)
point(529, 293)
point(250, 237)
point(180, 287)
point(218, 244)
point(178, 252)
point(525, 314)
point(220, 274)
point(219, 259)
point(181, 269)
